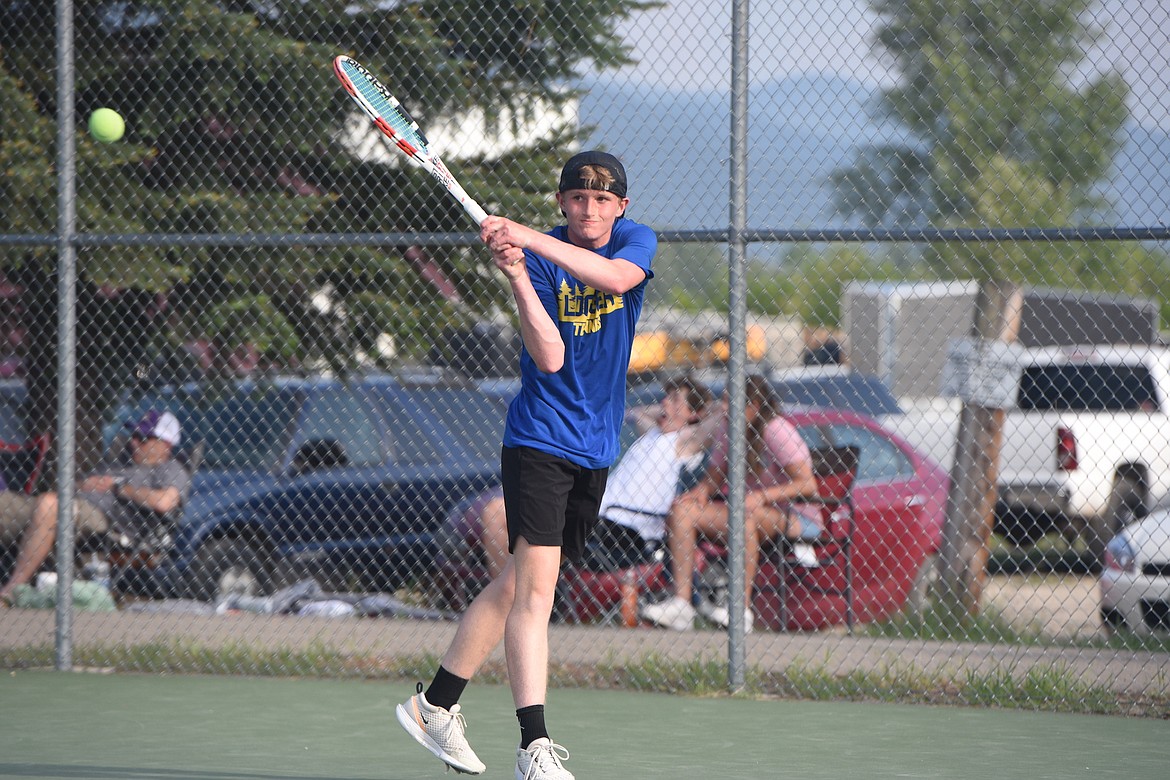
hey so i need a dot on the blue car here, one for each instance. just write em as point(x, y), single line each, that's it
point(295, 477)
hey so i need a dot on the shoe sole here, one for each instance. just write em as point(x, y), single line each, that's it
point(407, 722)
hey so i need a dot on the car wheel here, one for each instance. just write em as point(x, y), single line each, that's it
point(230, 566)
point(1126, 503)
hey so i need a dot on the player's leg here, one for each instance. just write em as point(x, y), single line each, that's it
point(433, 718)
point(493, 536)
point(526, 632)
point(526, 636)
point(537, 490)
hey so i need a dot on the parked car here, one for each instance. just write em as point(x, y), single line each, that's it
point(1135, 578)
point(834, 387)
point(342, 481)
point(899, 500)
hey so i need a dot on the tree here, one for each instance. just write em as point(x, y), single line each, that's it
point(1003, 138)
point(234, 119)
point(983, 83)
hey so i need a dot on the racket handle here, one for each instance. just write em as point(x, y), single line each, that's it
point(475, 211)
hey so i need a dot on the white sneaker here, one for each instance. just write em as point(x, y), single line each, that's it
point(674, 613)
point(542, 761)
point(805, 555)
point(717, 613)
point(439, 731)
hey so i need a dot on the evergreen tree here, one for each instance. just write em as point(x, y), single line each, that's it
point(235, 126)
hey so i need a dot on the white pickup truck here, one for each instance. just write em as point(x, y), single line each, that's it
point(1085, 448)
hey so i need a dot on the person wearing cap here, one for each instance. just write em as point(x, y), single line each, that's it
point(120, 500)
point(578, 290)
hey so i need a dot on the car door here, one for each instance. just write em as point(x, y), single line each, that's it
point(446, 442)
point(890, 540)
point(445, 445)
point(330, 518)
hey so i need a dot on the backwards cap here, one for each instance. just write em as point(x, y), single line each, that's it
point(571, 173)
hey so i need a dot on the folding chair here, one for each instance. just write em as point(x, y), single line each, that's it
point(835, 470)
point(22, 463)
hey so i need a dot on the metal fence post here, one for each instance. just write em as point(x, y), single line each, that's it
point(737, 321)
point(66, 329)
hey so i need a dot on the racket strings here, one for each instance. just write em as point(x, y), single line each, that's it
point(385, 106)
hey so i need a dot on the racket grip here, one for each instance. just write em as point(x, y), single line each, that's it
point(475, 211)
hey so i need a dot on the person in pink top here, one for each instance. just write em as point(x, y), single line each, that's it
point(779, 472)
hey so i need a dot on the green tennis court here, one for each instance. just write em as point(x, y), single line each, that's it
point(55, 725)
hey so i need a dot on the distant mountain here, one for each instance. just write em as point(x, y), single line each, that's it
point(801, 129)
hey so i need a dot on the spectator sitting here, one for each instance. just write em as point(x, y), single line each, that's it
point(779, 471)
point(638, 494)
point(118, 500)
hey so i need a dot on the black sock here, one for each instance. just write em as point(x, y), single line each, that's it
point(445, 689)
point(531, 724)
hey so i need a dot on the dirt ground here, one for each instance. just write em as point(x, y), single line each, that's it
point(1063, 606)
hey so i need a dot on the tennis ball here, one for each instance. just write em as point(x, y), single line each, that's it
point(107, 125)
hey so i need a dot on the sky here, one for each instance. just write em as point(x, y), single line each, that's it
point(686, 45)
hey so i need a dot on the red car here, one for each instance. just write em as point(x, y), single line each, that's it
point(899, 498)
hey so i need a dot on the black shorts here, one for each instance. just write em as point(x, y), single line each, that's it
point(615, 547)
point(550, 501)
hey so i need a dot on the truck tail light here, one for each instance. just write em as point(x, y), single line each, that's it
point(1066, 450)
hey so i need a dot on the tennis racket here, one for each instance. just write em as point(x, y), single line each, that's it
point(391, 118)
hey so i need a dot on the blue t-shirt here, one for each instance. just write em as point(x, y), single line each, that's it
point(577, 412)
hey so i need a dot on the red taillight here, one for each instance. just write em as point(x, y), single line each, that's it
point(1066, 450)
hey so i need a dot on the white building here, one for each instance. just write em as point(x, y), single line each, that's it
point(468, 134)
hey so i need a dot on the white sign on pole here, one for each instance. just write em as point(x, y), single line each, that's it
point(986, 373)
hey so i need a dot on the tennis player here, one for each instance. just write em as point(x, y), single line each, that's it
point(578, 291)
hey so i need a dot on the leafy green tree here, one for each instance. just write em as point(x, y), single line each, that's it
point(234, 119)
point(985, 83)
point(812, 282)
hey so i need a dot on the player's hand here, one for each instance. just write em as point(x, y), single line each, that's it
point(510, 260)
point(501, 232)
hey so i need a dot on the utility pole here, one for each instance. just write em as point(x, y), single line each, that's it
point(970, 511)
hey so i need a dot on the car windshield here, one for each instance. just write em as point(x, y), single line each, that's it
point(476, 418)
point(242, 429)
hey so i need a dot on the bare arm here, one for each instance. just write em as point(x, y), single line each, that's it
point(644, 417)
point(802, 483)
point(698, 437)
point(537, 329)
point(160, 500)
point(614, 276)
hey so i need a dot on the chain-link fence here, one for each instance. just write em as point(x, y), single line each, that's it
point(946, 228)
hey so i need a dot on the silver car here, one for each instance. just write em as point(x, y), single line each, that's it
point(1135, 579)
